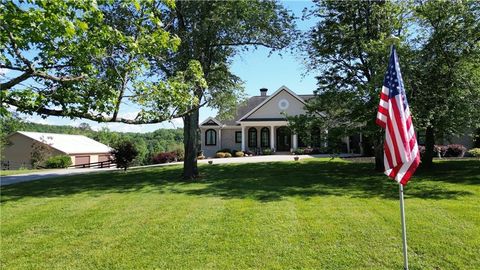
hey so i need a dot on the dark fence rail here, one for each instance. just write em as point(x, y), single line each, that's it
point(99, 164)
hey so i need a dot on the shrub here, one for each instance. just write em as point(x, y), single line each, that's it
point(164, 157)
point(201, 157)
point(421, 149)
point(299, 151)
point(220, 155)
point(440, 150)
point(474, 152)
point(124, 153)
point(224, 150)
point(455, 150)
point(227, 155)
point(179, 154)
point(248, 153)
point(60, 161)
point(267, 151)
point(239, 154)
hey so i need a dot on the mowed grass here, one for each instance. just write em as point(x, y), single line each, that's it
point(313, 214)
point(16, 172)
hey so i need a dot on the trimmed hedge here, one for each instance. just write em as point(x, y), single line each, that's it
point(60, 161)
point(220, 155)
point(164, 157)
point(239, 154)
point(474, 152)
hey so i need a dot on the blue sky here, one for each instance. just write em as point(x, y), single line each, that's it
point(256, 68)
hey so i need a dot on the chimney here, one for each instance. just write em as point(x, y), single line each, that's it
point(263, 92)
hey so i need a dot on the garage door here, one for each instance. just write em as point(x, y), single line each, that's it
point(103, 158)
point(80, 160)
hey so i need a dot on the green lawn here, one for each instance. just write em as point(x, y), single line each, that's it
point(15, 172)
point(313, 214)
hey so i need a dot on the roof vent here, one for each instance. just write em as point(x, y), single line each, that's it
point(263, 92)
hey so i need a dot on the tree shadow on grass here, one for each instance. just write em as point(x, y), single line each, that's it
point(262, 181)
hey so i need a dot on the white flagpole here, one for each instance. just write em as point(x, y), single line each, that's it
point(404, 229)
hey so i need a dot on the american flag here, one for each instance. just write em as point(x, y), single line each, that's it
point(401, 155)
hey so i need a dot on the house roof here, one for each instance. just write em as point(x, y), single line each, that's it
point(254, 102)
point(69, 144)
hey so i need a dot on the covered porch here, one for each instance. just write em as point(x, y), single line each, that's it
point(273, 135)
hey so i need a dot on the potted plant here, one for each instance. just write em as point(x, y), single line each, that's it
point(295, 158)
point(210, 162)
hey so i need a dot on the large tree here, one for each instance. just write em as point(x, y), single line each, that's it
point(446, 79)
point(347, 49)
point(212, 33)
point(87, 60)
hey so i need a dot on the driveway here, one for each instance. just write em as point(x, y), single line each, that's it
point(8, 180)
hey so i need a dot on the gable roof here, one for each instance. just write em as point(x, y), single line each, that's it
point(210, 121)
point(67, 143)
point(283, 88)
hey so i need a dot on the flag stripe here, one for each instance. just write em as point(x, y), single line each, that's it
point(401, 152)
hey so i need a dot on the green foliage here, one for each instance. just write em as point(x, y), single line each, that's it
point(86, 59)
point(124, 153)
point(60, 161)
point(474, 152)
point(239, 154)
point(40, 152)
point(220, 155)
point(446, 70)
point(267, 151)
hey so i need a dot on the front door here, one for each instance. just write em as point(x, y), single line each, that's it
point(284, 139)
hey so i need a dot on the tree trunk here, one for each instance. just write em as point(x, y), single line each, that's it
point(379, 157)
point(191, 140)
point(427, 159)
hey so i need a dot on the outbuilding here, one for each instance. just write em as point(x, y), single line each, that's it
point(81, 149)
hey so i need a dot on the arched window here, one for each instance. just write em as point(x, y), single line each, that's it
point(265, 137)
point(210, 137)
point(252, 137)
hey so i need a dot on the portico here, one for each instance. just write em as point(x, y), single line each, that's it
point(273, 135)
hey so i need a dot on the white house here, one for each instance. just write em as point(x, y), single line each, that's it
point(81, 149)
point(259, 124)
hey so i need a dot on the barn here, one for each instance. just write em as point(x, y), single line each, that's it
point(81, 149)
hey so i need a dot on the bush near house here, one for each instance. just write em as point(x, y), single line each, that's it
point(220, 155)
point(124, 153)
point(60, 161)
point(455, 150)
point(239, 154)
point(164, 157)
point(248, 153)
point(227, 155)
point(225, 150)
point(267, 151)
point(474, 152)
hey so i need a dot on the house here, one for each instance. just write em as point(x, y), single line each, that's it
point(81, 149)
point(260, 123)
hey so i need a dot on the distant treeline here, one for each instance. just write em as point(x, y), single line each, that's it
point(148, 144)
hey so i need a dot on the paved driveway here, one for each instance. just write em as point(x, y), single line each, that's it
point(8, 180)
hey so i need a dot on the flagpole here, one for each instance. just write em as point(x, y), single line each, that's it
point(404, 228)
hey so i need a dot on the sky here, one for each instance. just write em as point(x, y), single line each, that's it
point(256, 68)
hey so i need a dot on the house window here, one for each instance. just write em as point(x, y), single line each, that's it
point(238, 136)
point(252, 137)
point(265, 137)
point(210, 137)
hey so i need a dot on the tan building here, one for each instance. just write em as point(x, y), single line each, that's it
point(260, 123)
point(81, 149)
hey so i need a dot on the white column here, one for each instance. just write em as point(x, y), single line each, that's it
point(272, 136)
point(348, 144)
point(295, 141)
point(361, 143)
point(243, 138)
point(220, 138)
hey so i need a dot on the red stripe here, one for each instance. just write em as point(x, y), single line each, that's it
point(384, 97)
point(381, 123)
point(388, 154)
point(394, 141)
point(382, 110)
point(413, 167)
point(395, 170)
point(400, 124)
